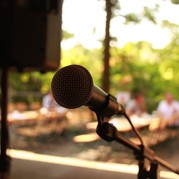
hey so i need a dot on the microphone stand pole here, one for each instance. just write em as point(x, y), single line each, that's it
point(110, 133)
point(4, 158)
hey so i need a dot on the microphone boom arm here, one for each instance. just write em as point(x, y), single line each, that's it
point(109, 132)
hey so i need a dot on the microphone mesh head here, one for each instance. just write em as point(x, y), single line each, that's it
point(72, 86)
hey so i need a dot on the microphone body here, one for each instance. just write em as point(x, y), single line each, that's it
point(72, 86)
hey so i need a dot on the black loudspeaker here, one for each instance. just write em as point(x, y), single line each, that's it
point(30, 34)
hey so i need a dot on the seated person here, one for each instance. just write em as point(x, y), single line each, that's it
point(136, 106)
point(49, 103)
point(168, 111)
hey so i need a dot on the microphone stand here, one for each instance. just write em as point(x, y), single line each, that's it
point(109, 132)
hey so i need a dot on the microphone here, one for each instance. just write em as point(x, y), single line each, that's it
point(72, 86)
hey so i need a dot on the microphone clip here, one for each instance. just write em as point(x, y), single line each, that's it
point(111, 107)
point(106, 131)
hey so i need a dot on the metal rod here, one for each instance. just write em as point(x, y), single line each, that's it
point(4, 110)
point(5, 160)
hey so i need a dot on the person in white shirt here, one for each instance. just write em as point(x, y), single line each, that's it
point(136, 106)
point(48, 101)
point(168, 111)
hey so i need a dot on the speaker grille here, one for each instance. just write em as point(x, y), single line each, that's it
point(72, 86)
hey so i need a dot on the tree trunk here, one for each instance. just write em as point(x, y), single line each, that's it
point(106, 73)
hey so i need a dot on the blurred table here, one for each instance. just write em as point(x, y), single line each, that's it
point(17, 117)
point(37, 122)
point(123, 125)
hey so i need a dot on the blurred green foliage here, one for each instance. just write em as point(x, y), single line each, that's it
point(134, 67)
